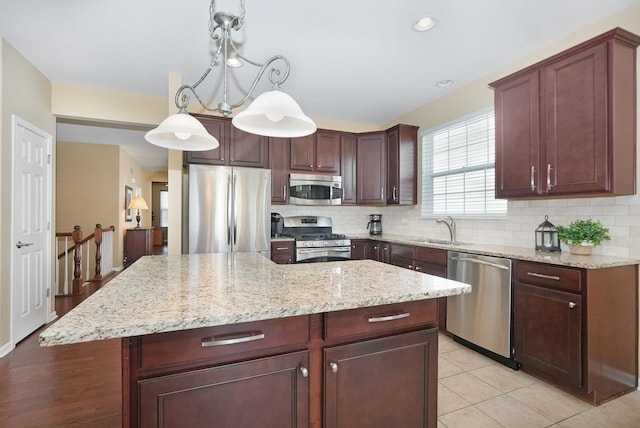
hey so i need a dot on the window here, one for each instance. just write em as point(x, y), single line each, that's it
point(164, 208)
point(458, 168)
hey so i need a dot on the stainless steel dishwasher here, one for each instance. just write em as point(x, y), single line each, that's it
point(482, 319)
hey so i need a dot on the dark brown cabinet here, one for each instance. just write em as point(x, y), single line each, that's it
point(138, 242)
point(379, 251)
point(282, 252)
point(359, 249)
point(402, 167)
point(319, 152)
point(577, 328)
point(237, 148)
point(233, 395)
point(371, 169)
point(366, 387)
point(338, 369)
point(566, 125)
point(432, 261)
point(348, 152)
point(279, 165)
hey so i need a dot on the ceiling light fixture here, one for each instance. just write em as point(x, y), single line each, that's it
point(444, 83)
point(424, 24)
point(272, 114)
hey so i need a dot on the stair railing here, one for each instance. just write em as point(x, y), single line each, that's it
point(73, 249)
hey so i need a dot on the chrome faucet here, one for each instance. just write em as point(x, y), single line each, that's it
point(451, 224)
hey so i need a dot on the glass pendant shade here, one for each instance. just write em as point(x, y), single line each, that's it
point(274, 114)
point(182, 131)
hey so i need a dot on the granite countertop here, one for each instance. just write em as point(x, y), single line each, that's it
point(519, 253)
point(178, 292)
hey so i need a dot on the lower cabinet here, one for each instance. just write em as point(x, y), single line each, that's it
point(138, 242)
point(359, 249)
point(578, 328)
point(381, 383)
point(268, 392)
point(366, 367)
point(282, 252)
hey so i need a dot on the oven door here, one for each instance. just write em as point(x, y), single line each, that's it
point(327, 254)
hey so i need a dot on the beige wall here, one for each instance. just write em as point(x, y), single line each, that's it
point(26, 93)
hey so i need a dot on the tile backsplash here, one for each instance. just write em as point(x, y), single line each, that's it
point(620, 214)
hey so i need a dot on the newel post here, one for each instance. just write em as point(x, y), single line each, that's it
point(76, 235)
point(98, 238)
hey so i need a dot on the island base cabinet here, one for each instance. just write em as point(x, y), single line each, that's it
point(269, 392)
point(386, 382)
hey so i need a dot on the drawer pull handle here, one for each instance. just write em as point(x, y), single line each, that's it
point(212, 341)
point(281, 248)
point(389, 317)
point(540, 275)
point(334, 367)
point(304, 371)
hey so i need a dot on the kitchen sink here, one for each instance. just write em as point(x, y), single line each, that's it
point(440, 242)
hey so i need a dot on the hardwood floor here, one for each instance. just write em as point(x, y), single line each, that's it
point(62, 386)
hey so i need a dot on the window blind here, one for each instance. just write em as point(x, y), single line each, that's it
point(458, 168)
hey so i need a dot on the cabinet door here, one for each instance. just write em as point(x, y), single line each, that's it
point(402, 165)
point(371, 169)
point(282, 252)
point(518, 137)
point(359, 249)
point(365, 386)
point(279, 164)
point(269, 392)
point(215, 126)
point(547, 330)
point(348, 161)
point(575, 101)
point(247, 149)
point(302, 150)
point(327, 153)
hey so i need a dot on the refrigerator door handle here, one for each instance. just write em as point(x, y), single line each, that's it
point(235, 210)
point(229, 189)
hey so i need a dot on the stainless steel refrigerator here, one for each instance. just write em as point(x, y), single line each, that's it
point(229, 209)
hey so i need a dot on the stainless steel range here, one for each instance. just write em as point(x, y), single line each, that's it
point(315, 240)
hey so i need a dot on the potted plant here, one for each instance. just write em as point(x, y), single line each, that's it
point(582, 235)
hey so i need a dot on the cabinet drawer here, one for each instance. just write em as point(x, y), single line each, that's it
point(549, 276)
point(402, 251)
point(380, 318)
point(282, 247)
point(191, 346)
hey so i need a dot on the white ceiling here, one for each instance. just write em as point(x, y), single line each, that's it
point(353, 61)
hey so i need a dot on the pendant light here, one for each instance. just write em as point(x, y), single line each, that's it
point(272, 114)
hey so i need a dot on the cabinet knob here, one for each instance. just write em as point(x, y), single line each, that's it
point(334, 367)
point(304, 371)
point(418, 268)
point(572, 305)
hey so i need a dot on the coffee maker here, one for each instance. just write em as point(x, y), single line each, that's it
point(277, 222)
point(375, 224)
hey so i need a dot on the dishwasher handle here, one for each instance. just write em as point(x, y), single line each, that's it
point(479, 261)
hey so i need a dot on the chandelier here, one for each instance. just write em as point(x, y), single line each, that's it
point(272, 113)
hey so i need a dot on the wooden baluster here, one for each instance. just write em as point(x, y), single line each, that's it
point(98, 239)
point(76, 235)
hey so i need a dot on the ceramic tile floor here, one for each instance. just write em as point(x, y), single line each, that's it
point(477, 392)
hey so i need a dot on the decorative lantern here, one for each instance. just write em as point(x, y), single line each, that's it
point(547, 237)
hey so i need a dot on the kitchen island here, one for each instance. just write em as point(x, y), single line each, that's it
point(239, 337)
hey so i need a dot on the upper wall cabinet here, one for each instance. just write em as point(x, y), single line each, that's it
point(371, 168)
point(318, 152)
point(237, 148)
point(566, 125)
point(402, 165)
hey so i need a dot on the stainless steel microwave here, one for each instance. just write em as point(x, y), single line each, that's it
point(315, 189)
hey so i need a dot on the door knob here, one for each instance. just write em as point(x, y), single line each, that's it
point(21, 244)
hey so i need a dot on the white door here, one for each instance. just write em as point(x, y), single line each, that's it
point(31, 271)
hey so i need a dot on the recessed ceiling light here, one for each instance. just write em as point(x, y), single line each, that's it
point(424, 24)
point(444, 83)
